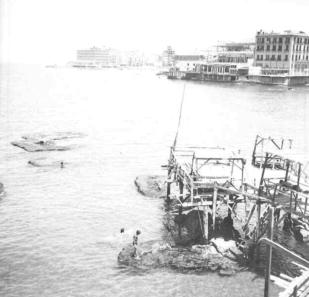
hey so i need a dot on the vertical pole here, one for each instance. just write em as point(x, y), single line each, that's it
point(168, 188)
point(291, 202)
point(269, 252)
point(259, 194)
point(214, 206)
point(274, 195)
point(287, 171)
point(206, 223)
point(254, 150)
point(232, 171)
point(181, 190)
point(168, 191)
point(191, 194)
point(298, 180)
point(295, 291)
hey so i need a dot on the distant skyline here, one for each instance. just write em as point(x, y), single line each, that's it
point(50, 31)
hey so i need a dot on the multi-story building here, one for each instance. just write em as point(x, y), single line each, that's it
point(282, 54)
point(168, 57)
point(97, 57)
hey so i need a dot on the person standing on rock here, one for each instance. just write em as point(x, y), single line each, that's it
point(135, 243)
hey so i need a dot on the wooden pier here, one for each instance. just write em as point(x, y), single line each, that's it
point(205, 178)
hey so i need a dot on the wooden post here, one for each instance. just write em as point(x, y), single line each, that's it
point(192, 192)
point(295, 291)
point(274, 195)
point(169, 172)
point(232, 171)
point(214, 206)
point(206, 223)
point(291, 202)
point(254, 150)
point(259, 194)
point(181, 190)
point(298, 180)
point(168, 191)
point(269, 252)
point(287, 171)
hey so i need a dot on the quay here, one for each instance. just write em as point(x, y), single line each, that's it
point(206, 178)
point(274, 58)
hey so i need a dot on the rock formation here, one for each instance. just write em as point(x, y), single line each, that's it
point(196, 258)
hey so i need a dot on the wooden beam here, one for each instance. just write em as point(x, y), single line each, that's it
point(258, 229)
point(206, 223)
point(298, 180)
point(269, 252)
point(214, 208)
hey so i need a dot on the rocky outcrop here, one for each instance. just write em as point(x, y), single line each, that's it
point(40, 146)
point(44, 162)
point(196, 258)
point(52, 136)
point(39, 142)
point(151, 185)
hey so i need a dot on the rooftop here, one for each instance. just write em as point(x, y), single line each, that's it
point(286, 32)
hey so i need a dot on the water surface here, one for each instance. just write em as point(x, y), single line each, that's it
point(55, 224)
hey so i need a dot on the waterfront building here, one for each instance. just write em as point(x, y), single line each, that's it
point(235, 52)
point(229, 62)
point(280, 56)
point(97, 57)
point(167, 57)
point(187, 62)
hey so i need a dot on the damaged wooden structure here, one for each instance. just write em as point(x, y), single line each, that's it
point(204, 178)
point(207, 177)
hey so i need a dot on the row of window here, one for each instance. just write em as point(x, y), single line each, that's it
point(273, 40)
point(301, 47)
point(273, 48)
point(279, 48)
point(298, 40)
point(278, 58)
point(271, 58)
point(300, 57)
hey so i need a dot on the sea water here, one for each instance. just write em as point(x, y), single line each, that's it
point(58, 225)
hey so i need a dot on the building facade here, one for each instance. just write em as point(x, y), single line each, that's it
point(167, 57)
point(96, 56)
point(284, 53)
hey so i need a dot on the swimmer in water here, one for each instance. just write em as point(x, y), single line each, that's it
point(135, 243)
point(61, 164)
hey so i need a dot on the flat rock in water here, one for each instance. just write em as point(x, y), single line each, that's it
point(151, 185)
point(44, 162)
point(40, 146)
point(52, 136)
point(159, 255)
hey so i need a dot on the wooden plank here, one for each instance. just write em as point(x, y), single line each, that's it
point(300, 266)
point(279, 281)
point(194, 204)
point(286, 277)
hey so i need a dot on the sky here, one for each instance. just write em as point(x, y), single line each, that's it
point(50, 31)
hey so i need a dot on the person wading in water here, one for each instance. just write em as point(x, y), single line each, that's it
point(135, 243)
